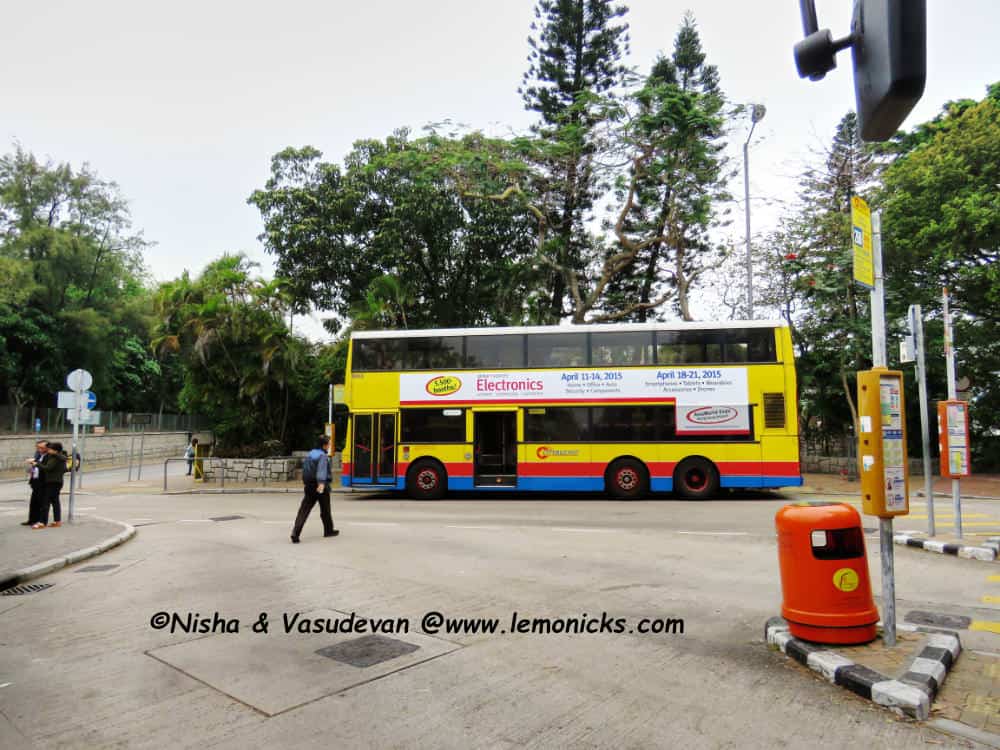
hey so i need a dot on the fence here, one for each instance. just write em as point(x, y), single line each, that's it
point(272, 474)
point(22, 420)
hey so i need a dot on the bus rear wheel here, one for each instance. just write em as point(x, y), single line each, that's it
point(627, 479)
point(696, 478)
point(426, 480)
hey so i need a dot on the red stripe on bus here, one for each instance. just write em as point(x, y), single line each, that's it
point(540, 402)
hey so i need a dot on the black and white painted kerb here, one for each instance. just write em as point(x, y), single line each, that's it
point(911, 695)
point(988, 550)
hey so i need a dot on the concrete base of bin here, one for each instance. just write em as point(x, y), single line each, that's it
point(852, 636)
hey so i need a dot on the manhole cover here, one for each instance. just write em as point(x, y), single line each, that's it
point(367, 650)
point(25, 588)
point(226, 518)
point(938, 620)
point(96, 568)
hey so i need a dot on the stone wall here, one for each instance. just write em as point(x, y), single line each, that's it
point(848, 464)
point(252, 470)
point(109, 449)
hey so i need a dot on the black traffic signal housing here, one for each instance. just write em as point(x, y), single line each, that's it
point(888, 42)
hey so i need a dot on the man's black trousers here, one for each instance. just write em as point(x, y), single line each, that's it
point(310, 498)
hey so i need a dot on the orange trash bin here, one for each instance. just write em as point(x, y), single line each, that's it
point(826, 591)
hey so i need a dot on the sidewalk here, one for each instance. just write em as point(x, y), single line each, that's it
point(978, 485)
point(26, 553)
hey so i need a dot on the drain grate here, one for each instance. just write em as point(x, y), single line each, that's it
point(368, 650)
point(226, 518)
point(25, 588)
point(96, 568)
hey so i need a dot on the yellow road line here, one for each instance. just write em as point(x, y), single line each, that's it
point(964, 524)
point(989, 627)
point(991, 599)
point(952, 516)
point(993, 579)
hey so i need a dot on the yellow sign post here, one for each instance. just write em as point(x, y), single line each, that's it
point(861, 240)
point(885, 475)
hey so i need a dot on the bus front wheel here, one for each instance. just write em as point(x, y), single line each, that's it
point(696, 478)
point(627, 479)
point(426, 480)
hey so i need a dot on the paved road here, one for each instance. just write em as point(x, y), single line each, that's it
point(81, 666)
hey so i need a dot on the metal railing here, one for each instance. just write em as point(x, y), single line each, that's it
point(215, 479)
point(15, 420)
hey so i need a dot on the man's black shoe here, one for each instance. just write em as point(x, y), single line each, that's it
point(295, 539)
point(335, 532)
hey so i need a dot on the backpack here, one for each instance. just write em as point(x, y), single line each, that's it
point(309, 466)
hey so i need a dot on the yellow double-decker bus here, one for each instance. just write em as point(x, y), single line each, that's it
point(619, 408)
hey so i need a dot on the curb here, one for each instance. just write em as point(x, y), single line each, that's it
point(34, 571)
point(988, 551)
point(911, 695)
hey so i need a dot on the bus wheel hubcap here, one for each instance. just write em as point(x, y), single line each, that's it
point(427, 480)
point(696, 479)
point(627, 479)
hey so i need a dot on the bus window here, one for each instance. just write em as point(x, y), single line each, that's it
point(432, 425)
point(679, 348)
point(557, 350)
point(377, 354)
point(750, 345)
point(494, 352)
point(621, 349)
point(632, 424)
point(555, 425)
point(433, 353)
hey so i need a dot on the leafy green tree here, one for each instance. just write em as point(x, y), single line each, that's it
point(243, 370)
point(71, 285)
point(942, 229)
point(406, 214)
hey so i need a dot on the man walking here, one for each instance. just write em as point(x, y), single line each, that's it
point(36, 482)
point(316, 484)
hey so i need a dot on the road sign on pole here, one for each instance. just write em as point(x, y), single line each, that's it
point(79, 380)
point(861, 240)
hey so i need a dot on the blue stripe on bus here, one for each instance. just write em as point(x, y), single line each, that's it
point(757, 481)
point(585, 484)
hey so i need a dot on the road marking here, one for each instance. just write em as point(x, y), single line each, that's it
point(715, 533)
point(139, 520)
point(456, 526)
point(989, 627)
point(587, 531)
point(993, 579)
point(991, 599)
point(950, 515)
point(971, 523)
point(195, 520)
point(89, 508)
point(6, 684)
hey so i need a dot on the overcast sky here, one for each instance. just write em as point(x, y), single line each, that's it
point(184, 103)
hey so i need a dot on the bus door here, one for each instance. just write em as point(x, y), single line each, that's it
point(494, 439)
point(373, 449)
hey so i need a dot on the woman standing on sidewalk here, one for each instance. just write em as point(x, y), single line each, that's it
point(53, 468)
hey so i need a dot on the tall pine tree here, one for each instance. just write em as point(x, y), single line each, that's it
point(574, 67)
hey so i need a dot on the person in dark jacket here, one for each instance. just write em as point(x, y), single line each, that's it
point(36, 482)
point(53, 467)
point(316, 485)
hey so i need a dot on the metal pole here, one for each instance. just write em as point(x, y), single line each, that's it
point(131, 453)
point(917, 326)
point(83, 452)
point(165, 462)
point(949, 359)
point(879, 359)
point(330, 405)
point(746, 199)
point(142, 440)
point(72, 455)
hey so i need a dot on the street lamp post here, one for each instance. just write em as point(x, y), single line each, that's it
point(756, 115)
